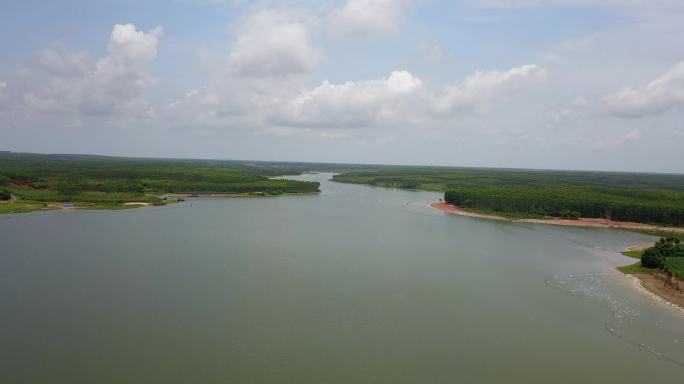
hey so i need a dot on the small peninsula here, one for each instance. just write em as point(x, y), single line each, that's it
point(32, 182)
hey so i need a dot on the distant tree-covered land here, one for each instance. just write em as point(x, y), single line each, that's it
point(640, 197)
point(644, 206)
point(31, 181)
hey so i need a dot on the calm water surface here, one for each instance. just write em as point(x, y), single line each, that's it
point(355, 285)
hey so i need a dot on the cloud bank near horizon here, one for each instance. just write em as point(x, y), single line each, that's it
point(283, 77)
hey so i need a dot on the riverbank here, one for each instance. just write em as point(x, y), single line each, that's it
point(24, 206)
point(661, 287)
point(456, 210)
point(581, 222)
point(42, 182)
point(651, 282)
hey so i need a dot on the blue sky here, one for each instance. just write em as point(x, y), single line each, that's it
point(569, 84)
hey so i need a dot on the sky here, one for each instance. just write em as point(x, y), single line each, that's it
point(551, 84)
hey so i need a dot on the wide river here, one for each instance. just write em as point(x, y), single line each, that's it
point(355, 285)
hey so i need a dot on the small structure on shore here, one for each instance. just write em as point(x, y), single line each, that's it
point(21, 183)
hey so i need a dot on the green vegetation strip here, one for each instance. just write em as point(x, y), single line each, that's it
point(639, 197)
point(31, 182)
point(634, 269)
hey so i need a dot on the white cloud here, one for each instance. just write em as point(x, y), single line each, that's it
point(73, 82)
point(58, 61)
point(351, 104)
point(273, 43)
point(657, 97)
point(366, 17)
point(400, 99)
point(130, 47)
point(478, 90)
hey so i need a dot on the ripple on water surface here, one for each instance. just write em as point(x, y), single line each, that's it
point(639, 320)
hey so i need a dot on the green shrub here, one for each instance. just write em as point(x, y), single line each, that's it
point(651, 259)
point(568, 214)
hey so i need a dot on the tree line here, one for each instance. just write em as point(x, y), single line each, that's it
point(664, 207)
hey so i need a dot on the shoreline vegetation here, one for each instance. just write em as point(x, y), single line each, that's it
point(656, 199)
point(648, 203)
point(35, 182)
point(664, 282)
point(575, 222)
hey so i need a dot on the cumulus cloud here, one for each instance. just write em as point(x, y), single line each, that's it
point(273, 43)
point(366, 17)
point(400, 98)
point(73, 82)
point(478, 90)
point(657, 97)
point(130, 47)
point(351, 104)
point(59, 61)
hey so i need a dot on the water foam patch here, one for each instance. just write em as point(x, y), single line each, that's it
point(640, 321)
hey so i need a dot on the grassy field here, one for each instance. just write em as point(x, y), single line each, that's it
point(659, 233)
point(636, 267)
point(674, 265)
point(37, 182)
point(633, 254)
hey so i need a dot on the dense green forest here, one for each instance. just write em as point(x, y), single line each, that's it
point(29, 179)
point(445, 178)
point(648, 198)
point(645, 206)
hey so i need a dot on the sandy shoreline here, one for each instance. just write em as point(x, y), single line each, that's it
point(456, 210)
point(659, 288)
point(582, 222)
point(655, 285)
